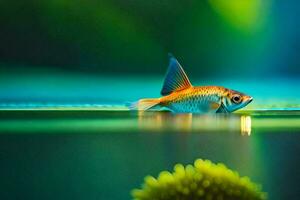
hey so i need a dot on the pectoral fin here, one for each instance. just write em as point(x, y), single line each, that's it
point(214, 105)
point(222, 109)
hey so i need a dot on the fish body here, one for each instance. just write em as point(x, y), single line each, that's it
point(199, 99)
point(180, 96)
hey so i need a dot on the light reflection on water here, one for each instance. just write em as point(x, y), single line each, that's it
point(160, 121)
point(245, 125)
point(114, 121)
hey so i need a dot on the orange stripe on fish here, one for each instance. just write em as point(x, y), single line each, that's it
point(180, 96)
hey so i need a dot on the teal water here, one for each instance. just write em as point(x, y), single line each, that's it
point(103, 153)
point(68, 136)
point(38, 89)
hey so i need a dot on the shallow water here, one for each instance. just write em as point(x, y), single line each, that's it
point(60, 138)
point(104, 152)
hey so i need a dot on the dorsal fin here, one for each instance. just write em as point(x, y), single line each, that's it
point(175, 79)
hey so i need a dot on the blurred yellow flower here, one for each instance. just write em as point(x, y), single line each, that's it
point(205, 180)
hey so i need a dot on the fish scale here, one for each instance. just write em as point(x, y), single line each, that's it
point(193, 99)
point(180, 96)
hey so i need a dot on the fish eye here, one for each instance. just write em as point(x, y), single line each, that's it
point(236, 98)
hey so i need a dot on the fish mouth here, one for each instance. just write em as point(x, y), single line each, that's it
point(249, 100)
point(244, 104)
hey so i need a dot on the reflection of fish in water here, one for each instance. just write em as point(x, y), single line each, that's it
point(180, 96)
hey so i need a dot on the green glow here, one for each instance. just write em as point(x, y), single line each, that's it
point(119, 119)
point(246, 15)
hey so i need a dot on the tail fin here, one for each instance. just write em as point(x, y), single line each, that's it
point(144, 104)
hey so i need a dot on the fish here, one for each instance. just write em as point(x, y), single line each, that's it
point(180, 96)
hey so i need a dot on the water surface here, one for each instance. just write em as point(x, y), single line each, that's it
point(69, 136)
point(90, 153)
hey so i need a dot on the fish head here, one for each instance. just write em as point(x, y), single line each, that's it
point(234, 100)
